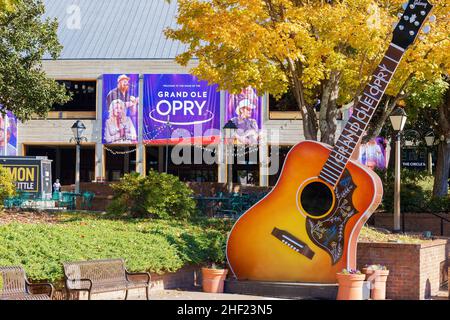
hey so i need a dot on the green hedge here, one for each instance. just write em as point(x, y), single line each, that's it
point(146, 245)
point(415, 192)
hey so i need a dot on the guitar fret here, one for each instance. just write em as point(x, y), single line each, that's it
point(384, 68)
point(393, 60)
point(327, 180)
point(349, 143)
point(334, 153)
point(397, 47)
point(335, 164)
point(343, 151)
point(353, 132)
point(382, 79)
point(331, 169)
point(360, 121)
point(373, 98)
point(332, 174)
point(367, 105)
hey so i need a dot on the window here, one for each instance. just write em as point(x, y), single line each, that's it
point(84, 96)
point(286, 103)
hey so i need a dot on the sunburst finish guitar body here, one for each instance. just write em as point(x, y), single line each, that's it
point(306, 229)
point(254, 253)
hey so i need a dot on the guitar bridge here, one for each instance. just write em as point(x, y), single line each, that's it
point(293, 243)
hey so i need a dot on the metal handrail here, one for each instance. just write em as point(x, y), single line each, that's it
point(442, 221)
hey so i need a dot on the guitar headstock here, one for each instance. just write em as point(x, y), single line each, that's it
point(411, 21)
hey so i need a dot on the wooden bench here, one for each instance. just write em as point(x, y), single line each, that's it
point(17, 287)
point(100, 276)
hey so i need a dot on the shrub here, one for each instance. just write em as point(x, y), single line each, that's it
point(415, 192)
point(7, 185)
point(158, 195)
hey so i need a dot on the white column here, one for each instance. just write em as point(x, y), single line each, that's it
point(263, 145)
point(140, 148)
point(222, 165)
point(99, 160)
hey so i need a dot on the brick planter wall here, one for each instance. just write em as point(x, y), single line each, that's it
point(414, 222)
point(415, 270)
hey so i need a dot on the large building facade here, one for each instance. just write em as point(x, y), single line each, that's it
point(105, 38)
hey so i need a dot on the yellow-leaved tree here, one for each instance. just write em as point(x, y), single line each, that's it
point(319, 50)
point(7, 5)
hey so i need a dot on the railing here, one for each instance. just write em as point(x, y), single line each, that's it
point(442, 221)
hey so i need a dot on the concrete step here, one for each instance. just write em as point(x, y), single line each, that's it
point(285, 290)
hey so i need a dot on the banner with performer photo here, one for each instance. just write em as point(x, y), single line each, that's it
point(8, 134)
point(244, 110)
point(180, 108)
point(373, 153)
point(120, 108)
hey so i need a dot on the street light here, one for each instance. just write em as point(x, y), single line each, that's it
point(230, 130)
point(398, 120)
point(429, 140)
point(78, 129)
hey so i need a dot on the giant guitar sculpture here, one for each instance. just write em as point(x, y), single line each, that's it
point(306, 229)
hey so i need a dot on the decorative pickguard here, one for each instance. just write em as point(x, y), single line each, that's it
point(328, 232)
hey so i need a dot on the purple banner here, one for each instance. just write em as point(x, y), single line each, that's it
point(8, 134)
point(244, 109)
point(120, 108)
point(180, 107)
point(373, 153)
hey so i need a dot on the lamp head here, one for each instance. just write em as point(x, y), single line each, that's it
point(398, 119)
point(429, 139)
point(78, 129)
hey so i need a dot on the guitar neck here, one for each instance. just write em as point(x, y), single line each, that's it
point(361, 116)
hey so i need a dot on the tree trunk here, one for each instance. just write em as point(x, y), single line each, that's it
point(328, 109)
point(309, 118)
point(440, 188)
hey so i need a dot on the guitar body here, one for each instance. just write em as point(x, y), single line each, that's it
point(254, 253)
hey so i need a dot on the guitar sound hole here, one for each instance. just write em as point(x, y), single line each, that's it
point(316, 199)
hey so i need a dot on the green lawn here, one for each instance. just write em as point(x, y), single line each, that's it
point(146, 245)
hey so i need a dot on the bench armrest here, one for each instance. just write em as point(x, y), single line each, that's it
point(69, 287)
point(40, 285)
point(138, 274)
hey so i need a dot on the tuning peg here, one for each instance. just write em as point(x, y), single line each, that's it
point(432, 18)
point(426, 29)
point(405, 5)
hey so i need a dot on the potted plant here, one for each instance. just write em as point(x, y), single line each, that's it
point(350, 284)
point(213, 278)
point(377, 275)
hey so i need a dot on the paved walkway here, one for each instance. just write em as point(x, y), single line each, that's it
point(198, 295)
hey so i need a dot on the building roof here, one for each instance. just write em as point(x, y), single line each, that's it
point(114, 29)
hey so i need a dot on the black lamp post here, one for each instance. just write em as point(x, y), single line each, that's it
point(398, 120)
point(429, 140)
point(78, 128)
point(230, 130)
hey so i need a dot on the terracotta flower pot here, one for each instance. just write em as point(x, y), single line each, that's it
point(378, 279)
point(350, 286)
point(213, 280)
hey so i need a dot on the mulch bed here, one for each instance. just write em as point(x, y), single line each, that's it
point(25, 217)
